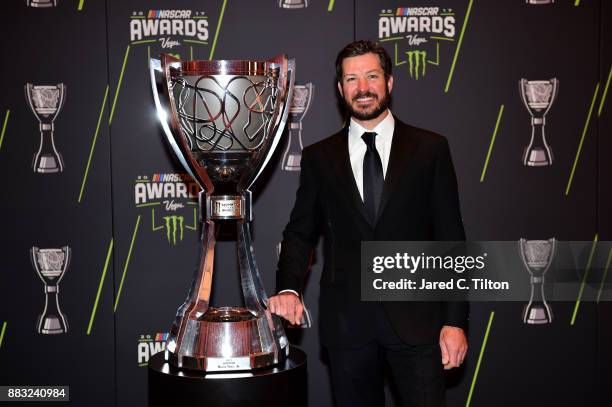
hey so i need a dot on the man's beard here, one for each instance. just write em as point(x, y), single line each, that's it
point(378, 110)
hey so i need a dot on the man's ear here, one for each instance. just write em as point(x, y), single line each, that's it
point(390, 83)
point(340, 89)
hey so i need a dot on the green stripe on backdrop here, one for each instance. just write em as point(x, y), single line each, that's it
point(480, 357)
point(93, 144)
point(605, 274)
point(584, 131)
point(330, 6)
point(118, 88)
point(80, 6)
point(465, 23)
point(605, 93)
point(99, 292)
point(584, 277)
point(214, 45)
point(127, 263)
point(486, 164)
point(2, 333)
point(6, 117)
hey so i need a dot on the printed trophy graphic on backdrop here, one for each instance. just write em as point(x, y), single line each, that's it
point(538, 97)
point(292, 4)
point(302, 96)
point(51, 265)
point(46, 102)
point(539, 1)
point(41, 3)
point(537, 256)
point(223, 120)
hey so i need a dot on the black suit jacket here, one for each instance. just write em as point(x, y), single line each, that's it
point(419, 202)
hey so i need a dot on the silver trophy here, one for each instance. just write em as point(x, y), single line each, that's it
point(223, 120)
point(302, 96)
point(537, 256)
point(538, 97)
point(293, 3)
point(46, 102)
point(41, 3)
point(539, 1)
point(51, 265)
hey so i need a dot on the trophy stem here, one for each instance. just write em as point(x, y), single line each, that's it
point(52, 321)
point(198, 300)
point(255, 298)
point(293, 153)
point(537, 153)
point(47, 159)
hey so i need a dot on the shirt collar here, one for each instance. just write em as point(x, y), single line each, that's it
point(384, 130)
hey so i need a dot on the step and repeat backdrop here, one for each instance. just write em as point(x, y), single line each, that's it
point(100, 229)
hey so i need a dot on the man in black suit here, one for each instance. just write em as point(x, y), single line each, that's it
point(376, 179)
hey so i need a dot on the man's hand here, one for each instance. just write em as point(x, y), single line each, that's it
point(453, 345)
point(288, 306)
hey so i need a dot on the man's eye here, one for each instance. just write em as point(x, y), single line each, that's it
point(373, 76)
point(350, 79)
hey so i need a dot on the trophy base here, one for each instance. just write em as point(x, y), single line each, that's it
point(47, 164)
point(226, 339)
point(51, 325)
point(537, 315)
point(536, 157)
point(280, 386)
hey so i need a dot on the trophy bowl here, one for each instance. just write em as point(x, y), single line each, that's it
point(223, 120)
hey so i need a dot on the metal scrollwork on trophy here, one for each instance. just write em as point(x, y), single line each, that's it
point(538, 97)
point(537, 256)
point(46, 102)
point(302, 96)
point(51, 265)
point(293, 3)
point(223, 120)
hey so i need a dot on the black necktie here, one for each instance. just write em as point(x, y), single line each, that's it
point(373, 178)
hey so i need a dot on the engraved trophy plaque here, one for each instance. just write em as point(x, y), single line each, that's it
point(537, 256)
point(302, 96)
point(51, 265)
point(538, 97)
point(293, 3)
point(46, 102)
point(223, 120)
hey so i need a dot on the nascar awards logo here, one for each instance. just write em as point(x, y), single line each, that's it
point(173, 199)
point(149, 345)
point(169, 27)
point(417, 34)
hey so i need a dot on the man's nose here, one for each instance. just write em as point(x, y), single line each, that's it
point(362, 84)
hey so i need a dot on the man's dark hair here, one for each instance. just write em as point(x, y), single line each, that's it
point(362, 47)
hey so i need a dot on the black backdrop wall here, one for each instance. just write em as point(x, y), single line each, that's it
point(118, 203)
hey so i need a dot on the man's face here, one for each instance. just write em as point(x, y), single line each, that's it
point(364, 89)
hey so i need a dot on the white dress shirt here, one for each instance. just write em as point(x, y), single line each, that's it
point(357, 147)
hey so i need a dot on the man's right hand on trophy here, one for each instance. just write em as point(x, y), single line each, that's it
point(288, 306)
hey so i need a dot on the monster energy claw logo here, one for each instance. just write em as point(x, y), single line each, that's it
point(416, 60)
point(174, 223)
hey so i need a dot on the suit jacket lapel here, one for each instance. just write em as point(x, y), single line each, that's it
point(344, 172)
point(403, 147)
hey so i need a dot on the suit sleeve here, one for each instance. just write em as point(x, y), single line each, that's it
point(448, 225)
point(301, 233)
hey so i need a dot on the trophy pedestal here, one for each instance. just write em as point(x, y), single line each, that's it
point(281, 385)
